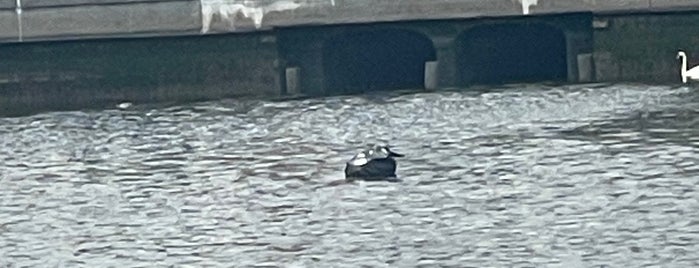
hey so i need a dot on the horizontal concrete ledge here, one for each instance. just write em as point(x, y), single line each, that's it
point(7, 4)
point(71, 19)
point(8, 26)
point(29, 4)
point(107, 20)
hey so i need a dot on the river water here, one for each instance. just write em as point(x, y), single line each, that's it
point(523, 176)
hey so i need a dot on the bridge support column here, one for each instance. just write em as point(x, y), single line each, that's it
point(446, 63)
point(579, 49)
point(304, 67)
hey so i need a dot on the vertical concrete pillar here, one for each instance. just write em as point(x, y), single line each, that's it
point(310, 60)
point(571, 56)
point(446, 57)
point(431, 75)
point(579, 42)
point(293, 75)
point(302, 49)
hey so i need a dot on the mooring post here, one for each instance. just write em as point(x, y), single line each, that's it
point(292, 80)
point(585, 68)
point(431, 75)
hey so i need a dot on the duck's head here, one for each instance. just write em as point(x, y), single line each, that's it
point(381, 151)
point(372, 153)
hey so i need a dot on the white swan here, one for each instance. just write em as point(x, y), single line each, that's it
point(691, 73)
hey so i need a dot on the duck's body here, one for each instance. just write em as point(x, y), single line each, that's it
point(375, 163)
point(692, 74)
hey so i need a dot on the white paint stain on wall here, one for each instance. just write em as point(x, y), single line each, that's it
point(228, 10)
point(18, 10)
point(526, 4)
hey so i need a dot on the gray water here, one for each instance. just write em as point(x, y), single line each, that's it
point(526, 176)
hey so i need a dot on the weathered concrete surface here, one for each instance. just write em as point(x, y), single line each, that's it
point(71, 22)
point(78, 74)
point(549, 6)
point(643, 47)
point(8, 25)
point(668, 4)
point(55, 3)
point(356, 12)
point(389, 10)
point(54, 19)
point(7, 4)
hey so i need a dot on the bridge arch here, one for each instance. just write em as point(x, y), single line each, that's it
point(511, 53)
point(379, 59)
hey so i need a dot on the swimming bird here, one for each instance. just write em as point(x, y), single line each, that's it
point(691, 73)
point(375, 163)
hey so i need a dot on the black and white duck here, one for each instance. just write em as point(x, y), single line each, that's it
point(375, 163)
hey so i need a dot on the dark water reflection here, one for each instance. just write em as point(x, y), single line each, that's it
point(572, 176)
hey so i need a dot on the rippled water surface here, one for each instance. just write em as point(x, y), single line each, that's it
point(527, 176)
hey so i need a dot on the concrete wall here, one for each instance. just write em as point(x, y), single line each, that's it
point(8, 21)
point(643, 47)
point(37, 75)
point(58, 75)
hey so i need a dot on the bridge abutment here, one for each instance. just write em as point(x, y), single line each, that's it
point(357, 58)
point(446, 58)
point(53, 67)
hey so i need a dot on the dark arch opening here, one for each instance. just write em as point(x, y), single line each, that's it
point(512, 53)
point(376, 60)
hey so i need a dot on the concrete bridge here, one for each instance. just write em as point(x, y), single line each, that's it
point(57, 54)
